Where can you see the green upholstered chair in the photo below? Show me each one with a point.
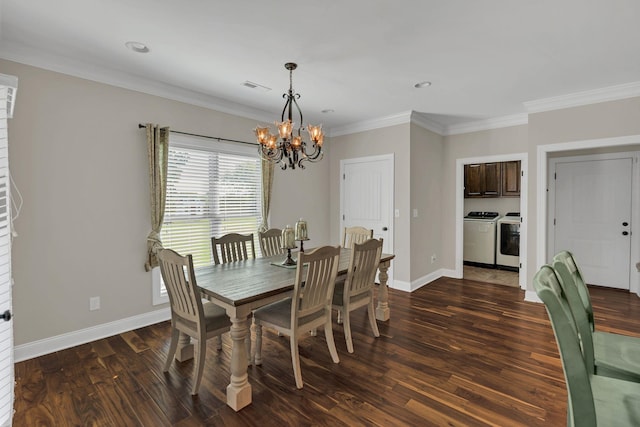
(593, 400)
(606, 353)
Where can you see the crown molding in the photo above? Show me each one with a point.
(382, 122)
(610, 93)
(425, 122)
(100, 74)
(488, 124)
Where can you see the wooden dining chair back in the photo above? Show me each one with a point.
(271, 242)
(232, 247)
(307, 309)
(356, 234)
(593, 400)
(357, 290)
(189, 314)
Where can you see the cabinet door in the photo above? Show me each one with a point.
(511, 179)
(473, 180)
(492, 181)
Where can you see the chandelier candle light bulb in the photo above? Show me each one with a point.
(291, 150)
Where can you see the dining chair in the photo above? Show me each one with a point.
(232, 247)
(606, 353)
(271, 242)
(308, 308)
(593, 400)
(355, 234)
(189, 314)
(357, 290)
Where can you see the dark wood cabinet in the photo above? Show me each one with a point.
(473, 180)
(492, 179)
(498, 179)
(511, 179)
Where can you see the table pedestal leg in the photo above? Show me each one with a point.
(382, 310)
(185, 348)
(239, 390)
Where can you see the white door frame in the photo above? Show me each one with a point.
(542, 202)
(391, 161)
(522, 279)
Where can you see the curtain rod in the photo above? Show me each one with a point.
(217, 138)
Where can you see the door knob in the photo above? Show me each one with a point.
(6, 316)
(384, 228)
(625, 233)
(624, 224)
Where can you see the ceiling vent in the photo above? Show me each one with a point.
(11, 82)
(252, 85)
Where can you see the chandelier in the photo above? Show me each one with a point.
(287, 146)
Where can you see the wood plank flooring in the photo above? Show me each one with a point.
(455, 352)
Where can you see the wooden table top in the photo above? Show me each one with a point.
(243, 282)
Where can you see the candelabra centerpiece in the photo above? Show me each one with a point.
(288, 243)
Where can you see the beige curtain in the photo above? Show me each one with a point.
(158, 150)
(267, 184)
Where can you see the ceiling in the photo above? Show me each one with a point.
(359, 58)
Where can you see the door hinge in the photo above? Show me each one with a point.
(521, 173)
(344, 176)
(343, 217)
(555, 176)
(554, 221)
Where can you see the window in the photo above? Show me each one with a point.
(213, 188)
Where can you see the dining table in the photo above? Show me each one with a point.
(243, 286)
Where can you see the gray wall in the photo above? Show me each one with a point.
(80, 162)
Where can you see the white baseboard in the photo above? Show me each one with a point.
(532, 296)
(418, 283)
(82, 336)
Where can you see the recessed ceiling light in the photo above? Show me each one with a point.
(421, 85)
(137, 47)
(327, 111)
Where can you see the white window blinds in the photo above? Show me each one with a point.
(213, 188)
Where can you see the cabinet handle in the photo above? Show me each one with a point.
(625, 233)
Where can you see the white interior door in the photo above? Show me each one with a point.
(593, 217)
(366, 197)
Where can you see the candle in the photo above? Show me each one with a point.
(301, 230)
(288, 241)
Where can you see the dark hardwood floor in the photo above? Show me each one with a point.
(455, 352)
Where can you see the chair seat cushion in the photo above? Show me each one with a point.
(617, 355)
(617, 402)
(338, 294)
(215, 316)
(279, 314)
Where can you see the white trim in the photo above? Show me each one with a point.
(429, 124)
(157, 296)
(610, 93)
(82, 336)
(381, 122)
(401, 285)
(524, 167)
(488, 124)
(106, 75)
(532, 296)
(541, 195)
(446, 272)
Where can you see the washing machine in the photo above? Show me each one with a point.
(508, 242)
(480, 238)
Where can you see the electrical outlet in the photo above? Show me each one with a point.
(94, 303)
(397, 213)
(433, 258)
(415, 213)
